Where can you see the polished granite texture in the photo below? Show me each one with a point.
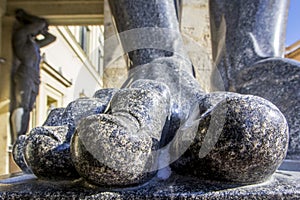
(148, 30)
(47, 153)
(239, 39)
(277, 80)
(18, 154)
(121, 137)
(282, 185)
(241, 139)
(116, 149)
(248, 57)
(46, 149)
(112, 138)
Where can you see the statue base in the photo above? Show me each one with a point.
(282, 185)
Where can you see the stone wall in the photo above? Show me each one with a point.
(196, 35)
(115, 66)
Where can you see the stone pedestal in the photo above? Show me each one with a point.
(282, 185)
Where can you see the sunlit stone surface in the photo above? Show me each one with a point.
(118, 139)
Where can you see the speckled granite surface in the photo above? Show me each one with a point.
(115, 134)
(46, 149)
(148, 30)
(239, 39)
(282, 185)
(277, 80)
(115, 149)
(248, 56)
(122, 137)
(242, 139)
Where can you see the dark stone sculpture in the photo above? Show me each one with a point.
(121, 146)
(159, 120)
(47, 149)
(248, 53)
(25, 77)
(247, 133)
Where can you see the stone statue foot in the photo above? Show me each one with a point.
(277, 80)
(18, 154)
(46, 150)
(111, 141)
(240, 138)
(118, 149)
(112, 149)
(48, 154)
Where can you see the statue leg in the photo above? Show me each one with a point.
(244, 32)
(21, 103)
(21, 106)
(248, 47)
(19, 120)
(16, 121)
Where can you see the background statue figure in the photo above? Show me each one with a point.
(25, 78)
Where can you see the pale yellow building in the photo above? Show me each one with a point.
(71, 67)
(293, 51)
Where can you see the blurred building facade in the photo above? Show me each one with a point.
(71, 67)
(293, 51)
